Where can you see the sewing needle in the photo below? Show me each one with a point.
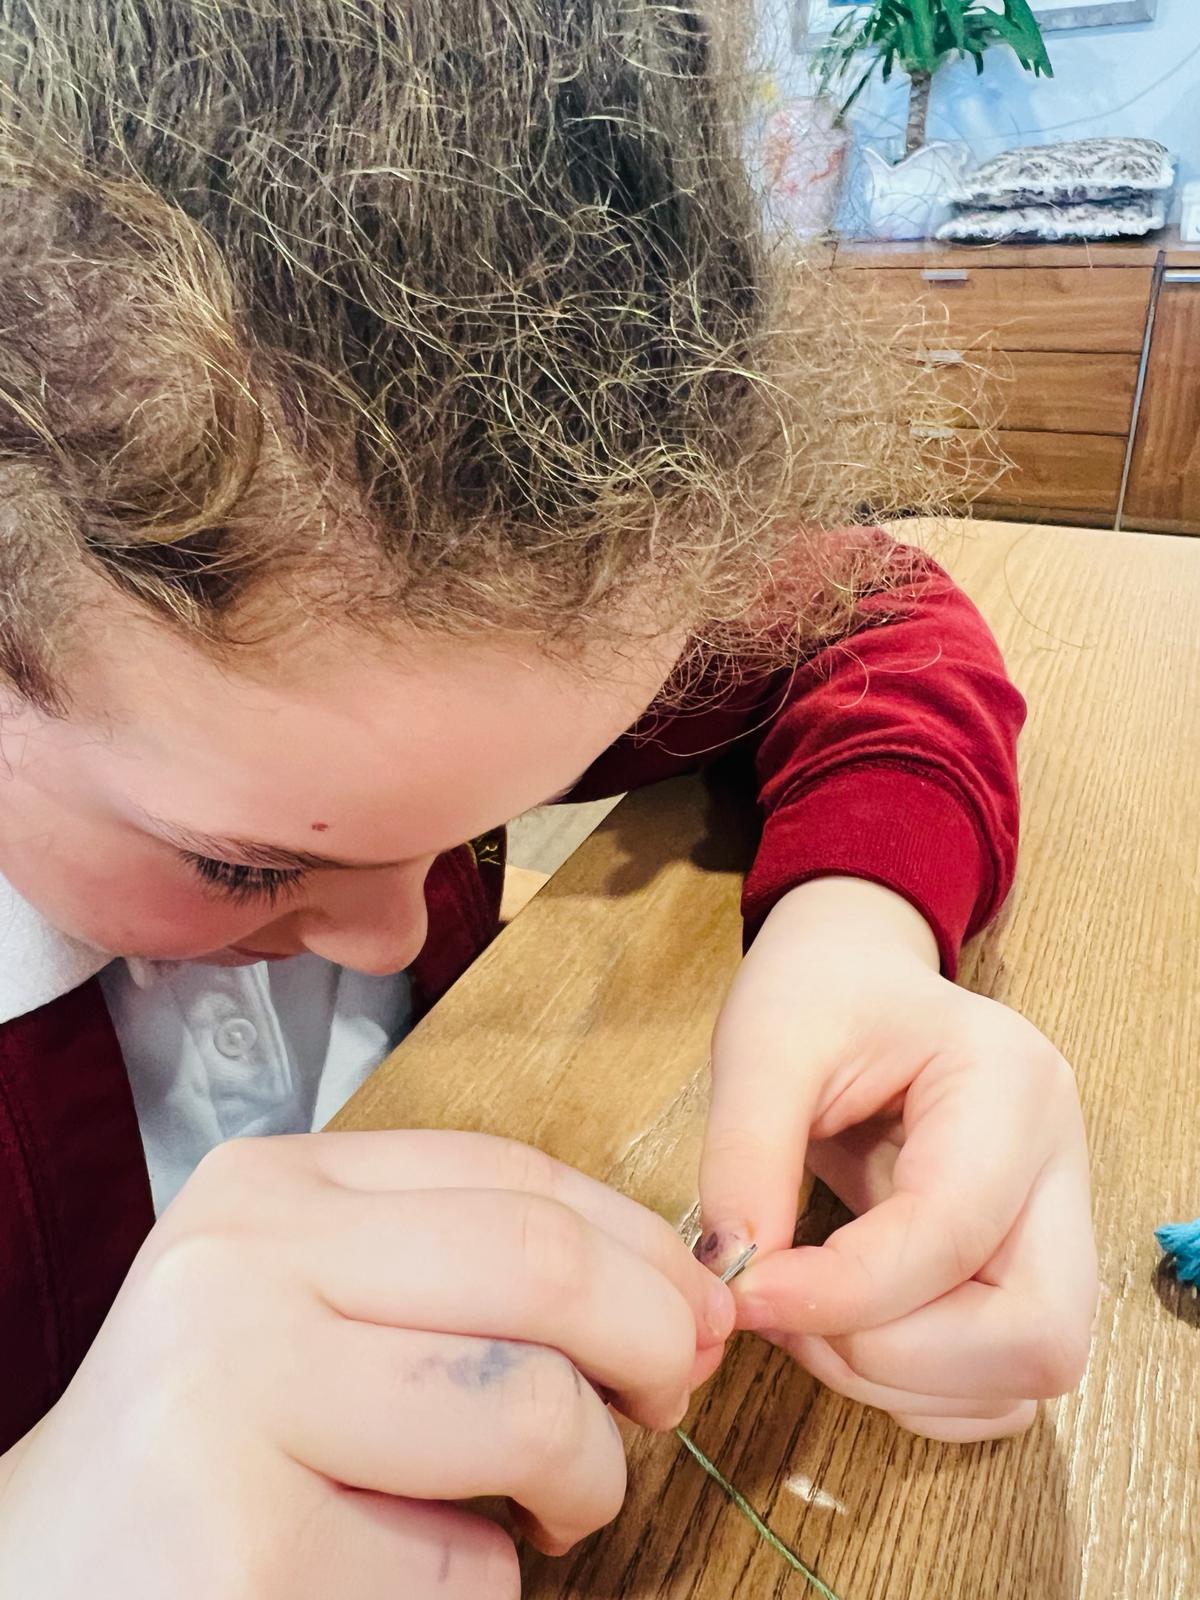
(742, 1262)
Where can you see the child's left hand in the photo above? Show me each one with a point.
(965, 1288)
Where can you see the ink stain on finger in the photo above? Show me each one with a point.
(490, 1366)
(708, 1248)
(724, 1253)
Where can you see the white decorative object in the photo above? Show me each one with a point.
(1189, 227)
(1088, 220)
(1067, 173)
(909, 199)
(803, 162)
(1094, 14)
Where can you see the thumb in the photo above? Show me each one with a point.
(752, 1164)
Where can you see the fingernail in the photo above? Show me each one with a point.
(721, 1247)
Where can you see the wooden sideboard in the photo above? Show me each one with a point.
(1090, 360)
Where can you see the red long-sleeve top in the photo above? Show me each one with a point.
(888, 756)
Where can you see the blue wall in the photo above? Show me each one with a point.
(1143, 79)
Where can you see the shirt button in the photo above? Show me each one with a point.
(236, 1037)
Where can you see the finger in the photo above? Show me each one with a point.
(817, 1356)
(946, 1216)
(1025, 1332)
(504, 1265)
(752, 1163)
(432, 1551)
(707, 1362)
(431, 1159)
(970, 1430)
(442, 1417)
(978, 1341)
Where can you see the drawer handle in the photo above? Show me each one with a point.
(1181, 275)
(943, 358)
(946, 274)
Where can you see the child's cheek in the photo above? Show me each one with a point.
(164, 910)
(175, 920)
(146, 910)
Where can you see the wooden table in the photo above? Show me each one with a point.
(584, 1029)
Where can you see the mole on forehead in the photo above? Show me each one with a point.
(253, 853)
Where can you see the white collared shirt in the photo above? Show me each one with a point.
(214, 1053)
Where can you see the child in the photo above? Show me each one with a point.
(399, 427)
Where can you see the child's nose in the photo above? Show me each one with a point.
(373, 922)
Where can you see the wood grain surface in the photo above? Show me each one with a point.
(1048, 391)
(1164, 487)
(1098, 309)
(585, 1028)
(1078, 471)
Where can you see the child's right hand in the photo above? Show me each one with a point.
(327, 1340)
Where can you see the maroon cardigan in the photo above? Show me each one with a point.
(890, 756)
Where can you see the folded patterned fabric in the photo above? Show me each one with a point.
(1069, 173)
(1090, 220)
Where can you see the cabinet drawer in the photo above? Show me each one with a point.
(1034, 390)
(1077, 472)
(1164, 487)
(1099, 309)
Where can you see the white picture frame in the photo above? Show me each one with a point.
(813, 19)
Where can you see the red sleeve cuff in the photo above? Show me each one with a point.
(895, 826)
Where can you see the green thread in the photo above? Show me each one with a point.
(752, 1516)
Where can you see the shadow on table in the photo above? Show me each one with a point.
(710, 819)
(1182, 1301)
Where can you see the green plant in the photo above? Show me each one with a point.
(918, 36)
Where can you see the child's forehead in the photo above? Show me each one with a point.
(159, 695)
(361, 761)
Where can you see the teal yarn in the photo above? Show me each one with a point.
(1180, 1243)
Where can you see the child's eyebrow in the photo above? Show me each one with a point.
(252, 853)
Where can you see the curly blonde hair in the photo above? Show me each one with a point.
(443, 315)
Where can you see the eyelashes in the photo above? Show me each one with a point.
(244, 884)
